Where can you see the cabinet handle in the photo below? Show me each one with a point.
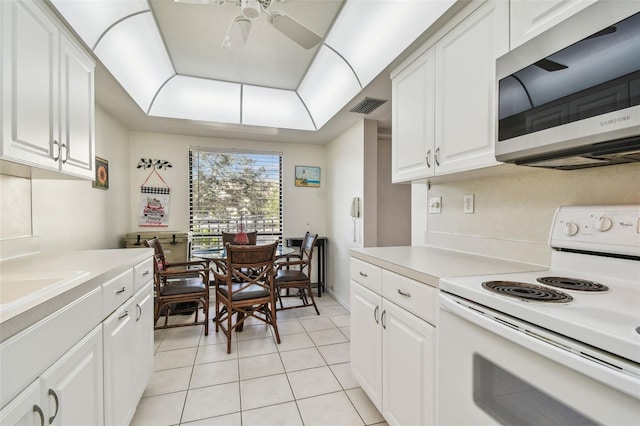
(404, 293)
(126, 314)
(437, 156)
(57, 156)
(55, 398)
(139, 309)
(145, 273)
(66, 148)
(428, 158)
(40, 413)
(384, 325)
(122, 290)
(375, 314)
(362, 274)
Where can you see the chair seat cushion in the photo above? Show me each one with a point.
(184, 286)
(254, 291)
(290, 275)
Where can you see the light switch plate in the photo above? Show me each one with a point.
(469, 201)
(435, 205)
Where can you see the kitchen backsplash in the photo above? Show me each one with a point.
(513, 210)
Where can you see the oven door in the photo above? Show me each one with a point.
(493, 369)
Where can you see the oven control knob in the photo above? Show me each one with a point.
(602, 224)
(570, 229)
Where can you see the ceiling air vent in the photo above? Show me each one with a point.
(367, 106)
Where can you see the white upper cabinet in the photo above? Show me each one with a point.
(532, 17)
(413, 118)
(48, 112)
(444, 101)
(466, 89)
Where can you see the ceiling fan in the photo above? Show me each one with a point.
(239, 28)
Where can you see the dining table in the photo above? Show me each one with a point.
(218, 256)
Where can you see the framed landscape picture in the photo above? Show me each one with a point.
(102, 174)
(308, 176)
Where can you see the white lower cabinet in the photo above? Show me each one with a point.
(393, 350)
(366, 341)
(143, 340)
(73, 386)
(68, 393)
(128, 356)
(99, 379)
(408, 370)
(25, 409)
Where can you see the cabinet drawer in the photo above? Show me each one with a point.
(418, 298)
(366, 274)
(116, 292)
(142, 274)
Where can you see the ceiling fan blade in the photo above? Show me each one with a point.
(549, 65)
(238, 33)
(294, 29)
(199, 1)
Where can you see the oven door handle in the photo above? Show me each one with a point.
(556, 348)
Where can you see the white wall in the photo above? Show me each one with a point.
(301, 206)
(70, 214)
(345, 180)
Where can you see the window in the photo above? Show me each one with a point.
(230, 191)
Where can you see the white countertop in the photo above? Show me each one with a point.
(36, 285)
(428, 264)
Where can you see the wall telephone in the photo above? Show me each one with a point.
(355, 213)
(355, 207)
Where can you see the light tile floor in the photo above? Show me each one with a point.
(305, 380)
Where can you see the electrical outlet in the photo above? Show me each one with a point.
(469, 201)
(435, 205)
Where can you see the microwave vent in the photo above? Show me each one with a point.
(367, 106)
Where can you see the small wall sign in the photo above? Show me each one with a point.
(308, 176)
(102, 174)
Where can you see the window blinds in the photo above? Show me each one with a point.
(231, 191)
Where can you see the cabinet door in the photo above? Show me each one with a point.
(25, 409)
(73, 385)
(465, 91)
(118, 333)
(408, 353)
(412, 117)
(143, 340)
(77, 111)
(532, 17)
(29, 85)
(366, 341)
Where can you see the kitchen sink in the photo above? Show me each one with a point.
(14, 287)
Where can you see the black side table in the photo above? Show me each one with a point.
(322, 243)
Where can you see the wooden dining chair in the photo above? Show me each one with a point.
(296, 275)
(165, 265)
(246, 288)
(232, 238)
(181, 287)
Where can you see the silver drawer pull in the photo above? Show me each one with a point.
(124, 315)
(122, 290)
(362, 274)
(145, 273)
(403, 293)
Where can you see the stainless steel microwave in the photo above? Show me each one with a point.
(570, 97)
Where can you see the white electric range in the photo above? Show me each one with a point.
(547, 347)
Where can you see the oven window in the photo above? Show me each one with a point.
(512, 401)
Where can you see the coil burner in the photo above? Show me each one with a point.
(572, 284)
(528, 292)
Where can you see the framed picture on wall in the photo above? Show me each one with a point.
(102, 174)
(308, 176)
